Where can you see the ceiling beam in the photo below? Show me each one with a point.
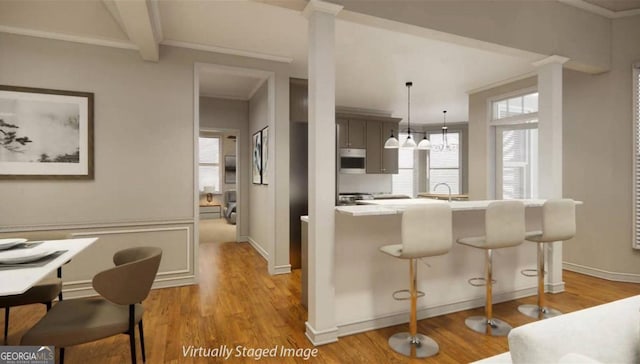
(136, 19)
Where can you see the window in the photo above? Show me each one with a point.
(515, 121)
(402, 183)
(636, 159)
(209, 163)
(444, 165)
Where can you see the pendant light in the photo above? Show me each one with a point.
(445, 130)
(392, 142)
(424, 144)
(409, 142)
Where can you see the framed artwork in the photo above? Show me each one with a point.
(265, 156)
(45, 134)
(230, 169)
(256, 157)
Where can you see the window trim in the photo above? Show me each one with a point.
(498, 163)
(516, 119)
(220, 141)
(635, 193)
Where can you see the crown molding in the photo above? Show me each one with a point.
(231, 51)
(599, 10)
(68, 37)
(321, 6)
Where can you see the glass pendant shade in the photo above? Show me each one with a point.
(392, 143)
(409, 143)
(424, 144)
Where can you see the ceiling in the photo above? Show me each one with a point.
(616, 5)
(372, 64)
(215, 82)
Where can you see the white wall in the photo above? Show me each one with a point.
(232, 114)
(367, 183)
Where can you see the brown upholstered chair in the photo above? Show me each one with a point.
(122, 288)
(43, 292)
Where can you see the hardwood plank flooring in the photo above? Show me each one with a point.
(238, 303)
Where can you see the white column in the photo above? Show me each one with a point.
(550, 152)
(321, 325)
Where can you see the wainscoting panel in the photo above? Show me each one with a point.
(174, 238)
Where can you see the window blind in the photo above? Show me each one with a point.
(636, 164)
(402, 183)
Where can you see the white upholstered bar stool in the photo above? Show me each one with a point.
(426, 232)
(558, 224)
(504, 228)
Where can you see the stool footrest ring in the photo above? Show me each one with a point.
(474, 281)
(396, 294)
(530, 272)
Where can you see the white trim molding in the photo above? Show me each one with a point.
(601, 273)
(321, 337)
(84, 226)
(550, 60)
(224, 50)
(282, 269)
(258, 248)
(321, 6)
(122, 44)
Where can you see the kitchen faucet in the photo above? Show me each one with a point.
(443, 184)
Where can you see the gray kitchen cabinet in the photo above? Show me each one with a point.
(352, 133)
(380, 160)
(389, 156)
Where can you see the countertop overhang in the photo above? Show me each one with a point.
(393, 207)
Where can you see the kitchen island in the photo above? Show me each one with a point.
(364, 278)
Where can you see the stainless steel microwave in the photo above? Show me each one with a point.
(352, 161)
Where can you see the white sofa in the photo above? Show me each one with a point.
(608, 333)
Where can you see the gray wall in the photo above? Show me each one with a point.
(598, 149)
(542, 27)
(261, 227)
(232, 114)
(597, 156)
(481, 172)
(143, 191)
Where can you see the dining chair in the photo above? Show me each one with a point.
(43, 292)
(118, 310)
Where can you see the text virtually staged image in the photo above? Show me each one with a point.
(320, 181)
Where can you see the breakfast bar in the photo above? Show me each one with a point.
(365, 278)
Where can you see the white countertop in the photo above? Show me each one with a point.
(392, 207)
(16, 281)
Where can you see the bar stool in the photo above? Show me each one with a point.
(558, 224)
(426, 232)
(504, 228)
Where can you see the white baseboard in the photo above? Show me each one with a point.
(554, 288)
(398, 318)
(321, 337)
(258, 248)
(600, 273)
(282, 269)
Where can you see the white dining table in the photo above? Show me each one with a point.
(19, 280)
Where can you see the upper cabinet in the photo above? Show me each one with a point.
(381, 160)
(351, 133)
(369, 132)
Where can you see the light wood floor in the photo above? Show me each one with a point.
(238, 303)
